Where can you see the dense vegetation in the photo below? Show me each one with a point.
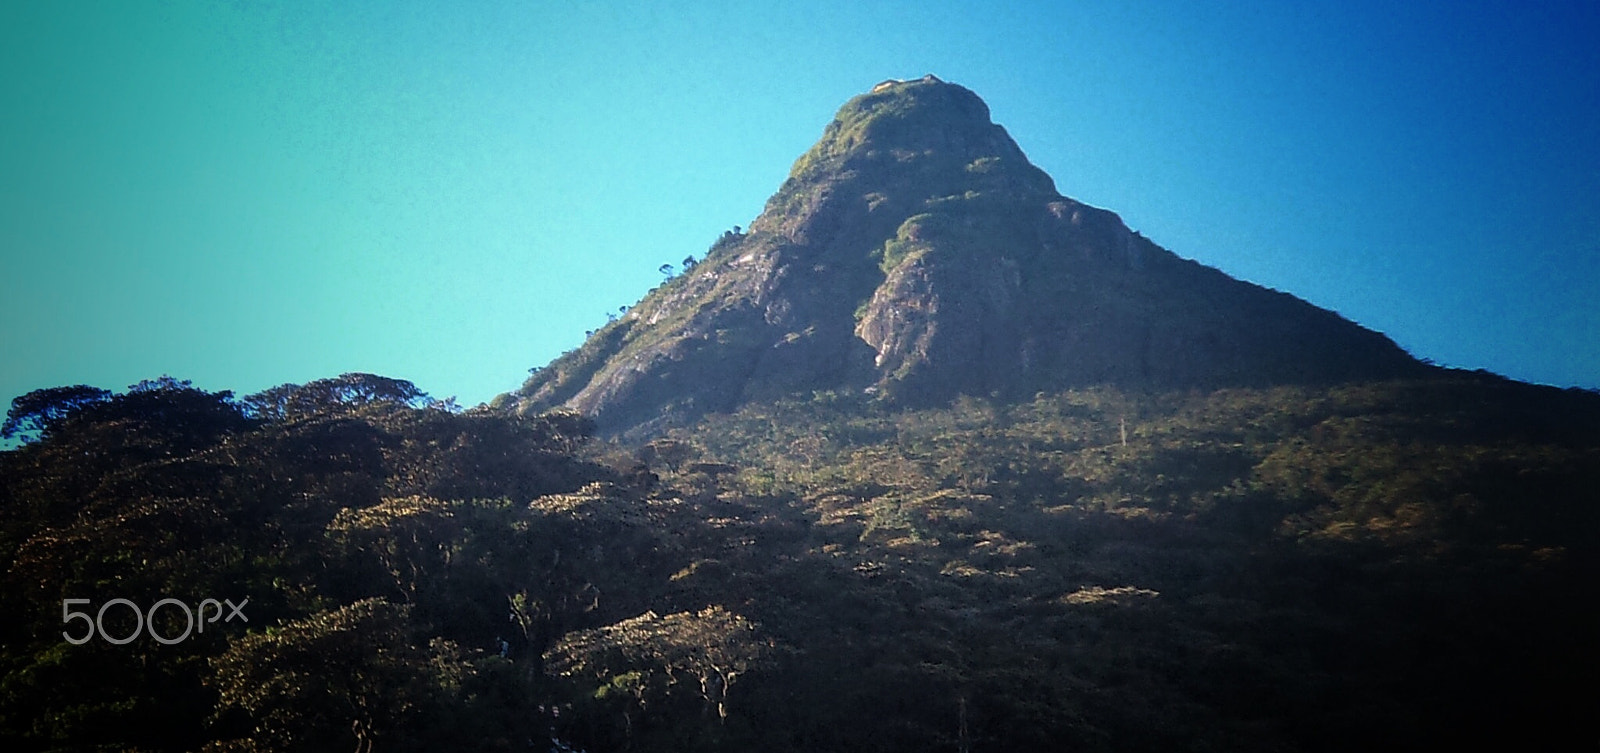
(1371, 565)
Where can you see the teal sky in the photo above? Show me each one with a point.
(251, 193)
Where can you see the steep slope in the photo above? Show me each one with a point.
(916, 253)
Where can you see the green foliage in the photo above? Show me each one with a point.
(341, 677)
(1277, 569)
(654, 660)
(346, 492)
(1190, 588)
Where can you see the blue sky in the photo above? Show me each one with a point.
(246, 194)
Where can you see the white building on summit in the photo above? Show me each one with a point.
(886, 83)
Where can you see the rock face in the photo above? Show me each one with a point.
(915, 252)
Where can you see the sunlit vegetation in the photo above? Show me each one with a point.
(1370, 565)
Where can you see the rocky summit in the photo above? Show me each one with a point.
(915, 253)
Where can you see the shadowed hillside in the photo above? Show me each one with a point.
(1376, 565)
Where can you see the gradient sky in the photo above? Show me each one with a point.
(251, 193)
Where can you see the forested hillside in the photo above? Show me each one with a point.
(1373, 565)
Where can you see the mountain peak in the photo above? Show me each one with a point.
(898, 147)
(897, 117)
(915, 252)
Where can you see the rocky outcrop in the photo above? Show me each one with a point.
(915, 252)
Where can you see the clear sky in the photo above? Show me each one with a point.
(251, 193)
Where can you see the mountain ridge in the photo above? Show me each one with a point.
(914, 252)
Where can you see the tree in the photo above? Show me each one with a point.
(35, 413)
(648, 654)
(305, 500)
(163, 383)
(408, 538)
(162, 418)
(340, 679)
(354, 390)
(271, 404)
(341, 394)
(666, 269)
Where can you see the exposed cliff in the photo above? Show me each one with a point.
(915, 252)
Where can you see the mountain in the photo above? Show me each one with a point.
(915, 253)
(933, 463)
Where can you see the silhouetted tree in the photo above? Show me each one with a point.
(34, 413)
